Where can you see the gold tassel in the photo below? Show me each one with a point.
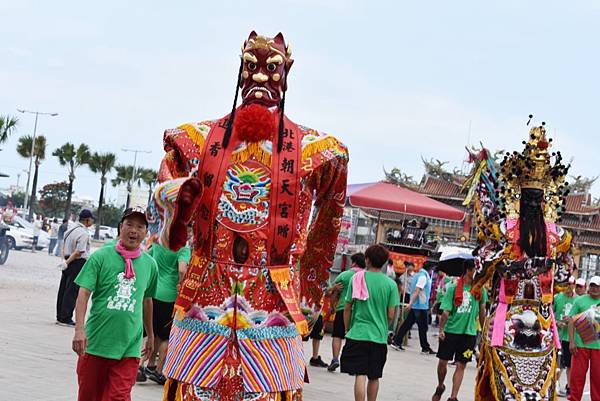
(302, 328)
(178, 391)
(193, 134)
(252, 149)
(565, 245)
(280, 276)
(178, 313)
(318, 146)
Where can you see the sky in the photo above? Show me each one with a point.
(394, 80)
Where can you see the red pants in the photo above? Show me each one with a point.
(580, 362)
(102, 379)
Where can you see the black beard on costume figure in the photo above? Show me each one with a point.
(532, 225)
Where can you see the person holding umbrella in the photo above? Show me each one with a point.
(458, 329)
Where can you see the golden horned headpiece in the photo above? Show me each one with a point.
(276, 45)
(534, 168)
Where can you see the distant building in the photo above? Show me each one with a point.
(139, 195)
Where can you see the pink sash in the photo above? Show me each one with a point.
(500, 318)
(554, 329)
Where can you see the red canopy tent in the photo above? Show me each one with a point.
(384, 196)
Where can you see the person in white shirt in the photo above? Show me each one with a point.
(53, 235)
(76, 250)
(37, 228)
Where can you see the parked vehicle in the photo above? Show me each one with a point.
(4, 247)
(106, 232)
(21, 235)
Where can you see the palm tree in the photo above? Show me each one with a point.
(149, 177)
(101, 163)
(39, 154)
(7, 126)
(72, 157)
(126, 175)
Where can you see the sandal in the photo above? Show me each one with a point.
(439, 390)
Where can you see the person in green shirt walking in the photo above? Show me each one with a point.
(121, 281)
(586, 354)
(563, 303)
(342, 285)
(370, 305)
(172, 267)
(458, 330)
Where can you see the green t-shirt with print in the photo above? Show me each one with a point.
(441, 291)
(370, 317)
(582, 304)
(562, 307)
(168, 270)
(344, 278)
(115, 323)
(462, 319)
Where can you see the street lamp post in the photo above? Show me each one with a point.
(135, 153)
(37, 114)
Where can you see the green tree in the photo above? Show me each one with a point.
(39, 154)
(101, 163)
(7, 126)
(126, 175)
(71, 157)
(111, 215)
(53, 198)
(16, 198)
(149, 177)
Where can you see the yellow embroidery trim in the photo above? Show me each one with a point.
(193, 133)
(252, 149)
(318, 146)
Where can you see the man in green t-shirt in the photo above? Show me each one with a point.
(563, 303)
(172, 267)
(370, 304)
(121, 282)
(458, 330)
(341, 285)
(586, 354)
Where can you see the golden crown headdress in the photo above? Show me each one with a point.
(534, 168)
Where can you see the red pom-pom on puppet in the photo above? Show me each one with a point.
(254, 123)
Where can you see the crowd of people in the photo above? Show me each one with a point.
(435, 299)
(125, 336)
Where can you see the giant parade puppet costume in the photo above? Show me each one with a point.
(248, 183)
(524, 256)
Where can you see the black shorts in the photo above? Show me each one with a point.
(317, 330)
(162, 318)
(565, 355)
(339, 329)
(363, 358)
(457, 347)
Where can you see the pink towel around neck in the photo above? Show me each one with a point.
(128, 256)
(500, 318)
(359, 286)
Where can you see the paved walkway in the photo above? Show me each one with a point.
(37, 362)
